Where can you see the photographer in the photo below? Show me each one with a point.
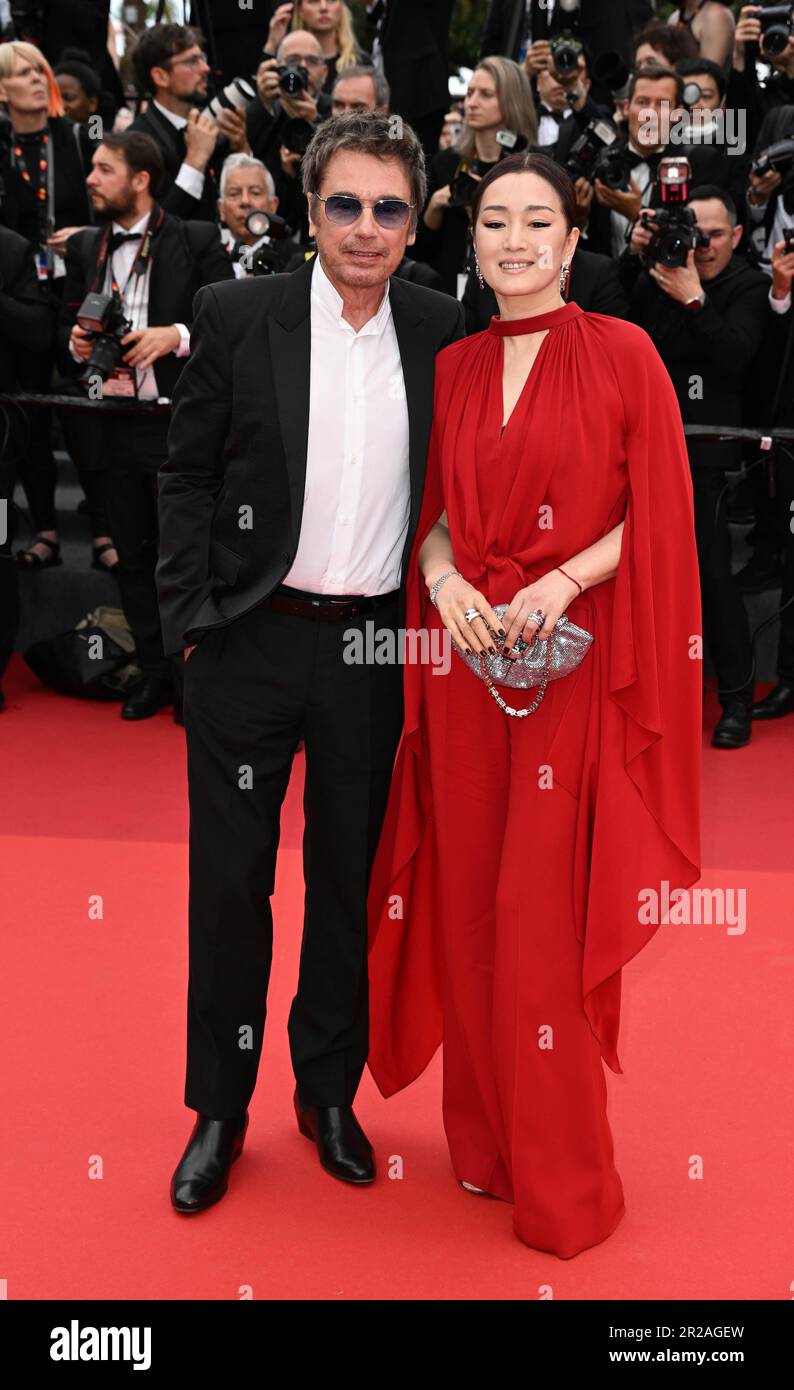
(780, 329)
(247, 186)
(25, 326)
(770, 191)
(291, 103)
(706, 314)
(751, 42)
(169, 62)
(653, 104)
(498, 102)
(149, 265)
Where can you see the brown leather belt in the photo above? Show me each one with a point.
(323, 608)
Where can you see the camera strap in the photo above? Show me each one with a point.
(143, 255)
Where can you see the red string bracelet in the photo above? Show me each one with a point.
(571, 577)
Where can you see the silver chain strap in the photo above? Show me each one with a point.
(508, 709)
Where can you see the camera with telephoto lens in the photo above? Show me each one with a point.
(293, 79)
(565, 54)
(264, 260)
(598, 154)
(102, 315)
(235, 96)
(775, 29)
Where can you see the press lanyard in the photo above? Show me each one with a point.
(45, 194)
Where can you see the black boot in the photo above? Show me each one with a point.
(735, 727)
(778, 702)
(202, 1174)
(344, 1149)
(147, 696)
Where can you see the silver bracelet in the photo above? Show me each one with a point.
(435, 587)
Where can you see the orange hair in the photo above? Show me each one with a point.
(18, 48)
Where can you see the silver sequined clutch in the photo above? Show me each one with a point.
(537, 663)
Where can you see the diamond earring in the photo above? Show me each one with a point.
(564, 270)
(478, 272)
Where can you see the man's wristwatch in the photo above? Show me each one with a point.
(695, 304)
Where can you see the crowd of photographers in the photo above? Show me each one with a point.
(679, 137)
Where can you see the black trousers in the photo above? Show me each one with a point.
(134, 448)
(253, 689)
(725, 625)
(784, 501)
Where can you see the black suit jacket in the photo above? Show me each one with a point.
(239, 435)
(172, 147)
(185, 256)
(26, 319)
(71, 163)
(414, 37)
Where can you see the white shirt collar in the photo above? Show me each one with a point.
(179, 121)
(328, 298)
(139, 226)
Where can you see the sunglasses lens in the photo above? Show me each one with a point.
(343, 211)
(391, 213)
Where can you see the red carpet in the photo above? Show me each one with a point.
(93, 1062)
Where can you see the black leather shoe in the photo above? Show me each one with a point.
(778, 702)
(734, 727)
(202, 1174)
(147, 697)
(344, 1149)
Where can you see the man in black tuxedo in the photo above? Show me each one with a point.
(170, 64)
(413, 48)
(156, 278)
(288, 506)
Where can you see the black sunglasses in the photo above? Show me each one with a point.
(344, 210)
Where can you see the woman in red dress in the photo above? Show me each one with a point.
(505, 894)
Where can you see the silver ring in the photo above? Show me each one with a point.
(537, 617)
(472, 613)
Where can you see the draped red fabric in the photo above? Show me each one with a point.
(595, 438)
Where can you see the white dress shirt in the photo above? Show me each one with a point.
(358, 490)
(190, 180)
(136, 304)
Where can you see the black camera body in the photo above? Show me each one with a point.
(775, 29)
(674, 235)
(102, 315)
(293, 79)
(565, 54)
(777, 158)
(597, 154)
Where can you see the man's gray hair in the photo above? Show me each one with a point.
(367, 132)
(382, 88)
(233, 162)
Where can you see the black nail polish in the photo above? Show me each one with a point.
(505, 651)
(501, 633)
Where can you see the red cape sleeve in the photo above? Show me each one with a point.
(646, 817)
(405, 990)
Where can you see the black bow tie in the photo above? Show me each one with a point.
(117, 238)
(558, 116)
(652, 160)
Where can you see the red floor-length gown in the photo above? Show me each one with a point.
(504, 898)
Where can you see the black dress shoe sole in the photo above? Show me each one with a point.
(771, 714)
(356, 1182)
(730, 743)
(193, 1211)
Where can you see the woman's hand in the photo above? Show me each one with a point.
(551, 594)
(453, 599)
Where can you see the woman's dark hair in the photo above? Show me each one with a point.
(669, 39)
(539, 164)
(82, 72)
(140, 153)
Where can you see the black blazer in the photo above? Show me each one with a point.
(185, 256)
(172, 147)
(71, 152)
(414, 37)
(26, 320)
(239, 435)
